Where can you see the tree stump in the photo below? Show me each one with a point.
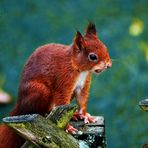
(49, 132)
(144, 106)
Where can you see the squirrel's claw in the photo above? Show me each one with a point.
(90, 118)
(70, 129)
(87, 117)
(75, 118)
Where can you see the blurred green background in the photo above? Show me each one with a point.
(122, 26)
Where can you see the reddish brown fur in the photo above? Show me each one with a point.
(49, 77)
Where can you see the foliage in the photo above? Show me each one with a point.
(27, 24)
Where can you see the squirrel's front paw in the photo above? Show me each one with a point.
(90, 118)
(87, 117)
(70, 129)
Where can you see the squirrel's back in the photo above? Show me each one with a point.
(44, 60)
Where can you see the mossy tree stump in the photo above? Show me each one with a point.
(49, 132)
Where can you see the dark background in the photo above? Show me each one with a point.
(122, 26)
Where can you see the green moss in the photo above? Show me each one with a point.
(65, 119)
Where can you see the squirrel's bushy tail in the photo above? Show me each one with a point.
(9, 139)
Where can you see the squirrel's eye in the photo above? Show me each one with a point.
(92, 57)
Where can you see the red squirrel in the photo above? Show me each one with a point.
(53, 75)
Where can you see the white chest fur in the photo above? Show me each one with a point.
(81, 80)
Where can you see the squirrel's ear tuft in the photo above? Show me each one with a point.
(91, 29)
(79, 42)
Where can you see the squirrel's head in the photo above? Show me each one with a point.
(89, 53)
